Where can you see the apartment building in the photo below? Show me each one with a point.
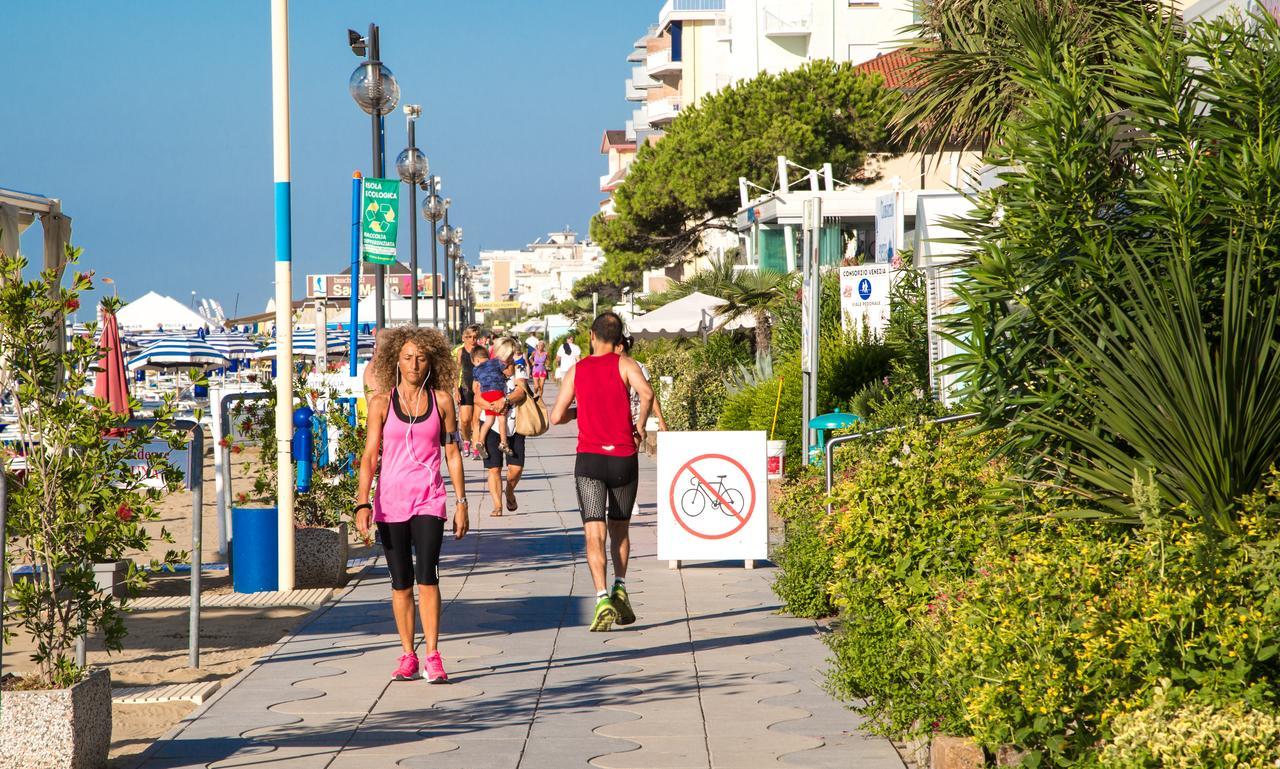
(699, 47)
(542, 272)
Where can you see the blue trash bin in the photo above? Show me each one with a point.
(253, 549)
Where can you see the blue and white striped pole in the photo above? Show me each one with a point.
(357, 182)
(284, 291)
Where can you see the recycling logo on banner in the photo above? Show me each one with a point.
(379, 204)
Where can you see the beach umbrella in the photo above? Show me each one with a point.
(303, 346)
(232, 345)
(178, 352)
(111, 384)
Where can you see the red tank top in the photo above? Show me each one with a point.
(604, 407)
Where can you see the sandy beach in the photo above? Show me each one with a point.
(155, 649)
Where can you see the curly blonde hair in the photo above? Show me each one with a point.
(440, 358)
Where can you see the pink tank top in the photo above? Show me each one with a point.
(604, 407)
(409, 480)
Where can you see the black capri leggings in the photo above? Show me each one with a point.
(606, 485)
(422, 536)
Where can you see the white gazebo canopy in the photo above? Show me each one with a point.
(154, 311)
(399, 311)
(687, 316)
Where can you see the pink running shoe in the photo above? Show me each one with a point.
(408, 669)
(435, 669)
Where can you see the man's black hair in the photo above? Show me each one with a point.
(608, 328)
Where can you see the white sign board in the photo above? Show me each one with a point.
(864, 297)
(712, 496)
(889, 225)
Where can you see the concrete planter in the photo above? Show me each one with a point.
(111, 576)
(58, 728)
(320, 556)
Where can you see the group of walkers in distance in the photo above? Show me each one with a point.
(430, 408)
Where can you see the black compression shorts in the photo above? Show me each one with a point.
(412, 548)
(466, 396)
(606, 486)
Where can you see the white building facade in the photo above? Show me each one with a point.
(699, 47)
(540, 273)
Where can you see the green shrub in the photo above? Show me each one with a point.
(692, 400)
(1193, 736)
(804, 560)
(736, 414)
(1066, 627)
(846, 365)
(909, 512)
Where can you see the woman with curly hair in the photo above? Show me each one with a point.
(411, 436)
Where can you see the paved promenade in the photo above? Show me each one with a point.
(710, 675)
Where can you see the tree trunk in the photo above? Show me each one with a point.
(763, 333)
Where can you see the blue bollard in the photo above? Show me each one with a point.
(301, 446)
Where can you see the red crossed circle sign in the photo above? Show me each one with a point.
(712, 496)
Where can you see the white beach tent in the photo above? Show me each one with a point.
(687, 316)
(154, 311)
(399, 311)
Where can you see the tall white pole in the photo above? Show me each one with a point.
(284, 289)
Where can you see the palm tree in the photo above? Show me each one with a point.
(760, 294)
(966, 82)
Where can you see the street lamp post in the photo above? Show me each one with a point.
(455, 251)
(433, 209)
(445, 237)
(412, 167)
(374, 88)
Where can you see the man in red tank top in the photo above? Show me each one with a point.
(607, 470)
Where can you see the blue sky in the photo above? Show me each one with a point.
(151, 120)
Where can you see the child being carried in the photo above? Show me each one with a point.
(488, 373)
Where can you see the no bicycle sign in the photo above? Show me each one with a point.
(712, 496)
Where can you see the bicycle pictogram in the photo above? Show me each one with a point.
(711, 496)
(716, 496)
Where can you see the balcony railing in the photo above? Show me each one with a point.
(682, 10)
(640, 78)
(663, 111)
(660, 64)
(633, 93)
(788, 20)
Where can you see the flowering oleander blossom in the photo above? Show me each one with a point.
(124, 512)
(73, 304)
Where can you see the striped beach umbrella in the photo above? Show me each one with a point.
(232, 345)
(178, 352)
(306, 345)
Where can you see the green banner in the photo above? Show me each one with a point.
(379, 207)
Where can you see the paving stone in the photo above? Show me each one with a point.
(710, 676)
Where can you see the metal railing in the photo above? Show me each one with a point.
(789, 21)
(697, 5)
(831, 444)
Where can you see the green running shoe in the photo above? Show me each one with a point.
(606, 614)
(626, 615)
